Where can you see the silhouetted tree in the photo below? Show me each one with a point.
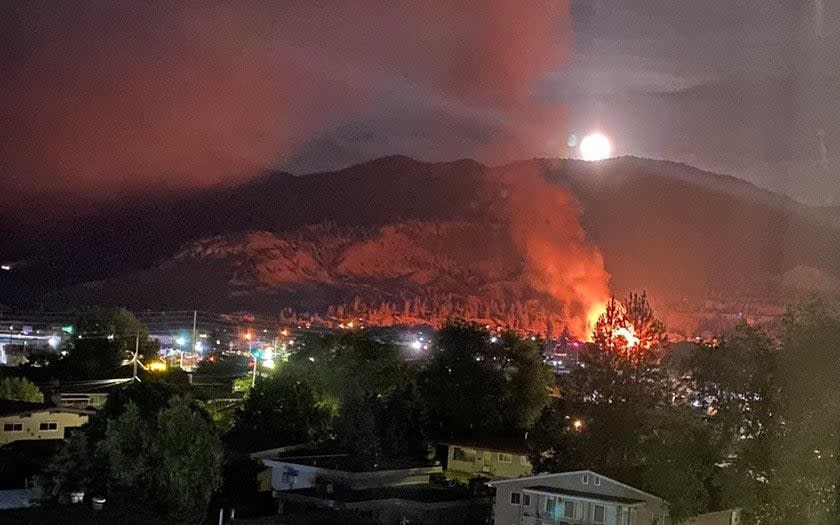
(472, 384)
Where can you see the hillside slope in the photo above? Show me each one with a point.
(395, 227)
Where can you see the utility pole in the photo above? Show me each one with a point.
(254, 377)
(136, 354)
(195, 335)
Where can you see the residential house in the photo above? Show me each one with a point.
(575, 498)
(391, 491)
(493, 459)
(297, 472)
(36, 421)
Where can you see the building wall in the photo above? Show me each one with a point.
(584, 511)
(486, 463)
(288, 476)
(30, 425)
(506, 513)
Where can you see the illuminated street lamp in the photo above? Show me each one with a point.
(577, 425)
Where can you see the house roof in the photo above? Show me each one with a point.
(419, 493)
(12, 408)
(347, 463)
(493, 444)
(584, 495)
(548, 476)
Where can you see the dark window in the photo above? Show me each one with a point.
(460, 454)
(598, 513)
(515, 498)
(526, 500)
(13, 427)
(568, 509)
(49, 426)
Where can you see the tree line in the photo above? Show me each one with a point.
(751, 421)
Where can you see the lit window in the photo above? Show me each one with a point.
(504, 458)
(52, 425)
(598, 513)
(515, 498)
(568, 509)
(13, 427)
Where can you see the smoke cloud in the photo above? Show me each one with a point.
(103, 98)
(545, 225)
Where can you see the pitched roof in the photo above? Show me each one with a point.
(547, 476)
(582, 494)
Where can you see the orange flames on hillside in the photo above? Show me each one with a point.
(558, 260)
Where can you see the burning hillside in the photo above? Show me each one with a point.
(522, 262)
(460, 238)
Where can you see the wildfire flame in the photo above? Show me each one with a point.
(628, 334)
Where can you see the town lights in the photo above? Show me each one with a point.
(416, 345)
(577, 425)
(180, 340)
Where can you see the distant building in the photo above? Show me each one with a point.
(83, 400)
(581, 497)
(37, 421)
(493, 459)
(390, 492)
(297, 472)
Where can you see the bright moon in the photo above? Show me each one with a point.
(595, 146)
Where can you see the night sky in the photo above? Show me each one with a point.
(101, 99)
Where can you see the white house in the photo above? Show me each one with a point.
(34, 421)
(299, 472)
(575, 498)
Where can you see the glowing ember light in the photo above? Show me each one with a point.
(595, 146)
(628, 336)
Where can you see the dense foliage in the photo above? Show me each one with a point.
(20, 389)
(719, 427)
(143, 456)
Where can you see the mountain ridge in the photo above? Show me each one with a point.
(672, 229)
